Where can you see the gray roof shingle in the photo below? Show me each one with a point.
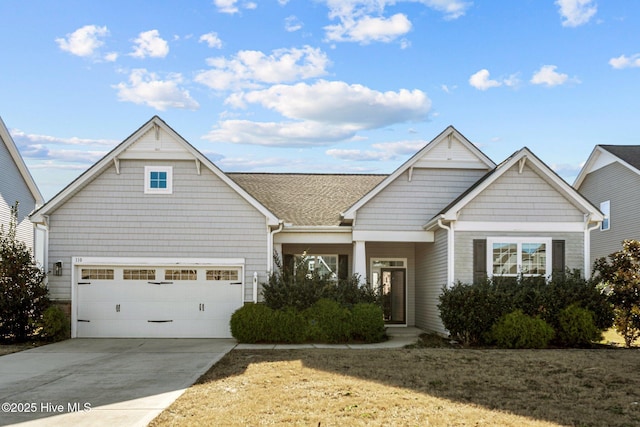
(628, 153)
(307, 199)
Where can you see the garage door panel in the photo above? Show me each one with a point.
(139, 307)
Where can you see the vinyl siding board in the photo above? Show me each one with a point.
(407, 205)
(111, 216)
(574, 255)
(13, 188)
(618, 184)
(521, 197)
(431, 277)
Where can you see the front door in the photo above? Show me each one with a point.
(394, 294)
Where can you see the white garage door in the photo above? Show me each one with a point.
(156, 301)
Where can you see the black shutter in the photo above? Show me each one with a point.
(479, 260)
(288, 263)
(558, 258)
(343, 267)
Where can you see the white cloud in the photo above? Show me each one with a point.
(548, 76)
(364, 21)
(231, 6)
(385, 151)
(481, 80)
(624, 61)
(84, 41)
(292, 24)
(368, 29)
(146, 88)
(321, 114)
(576, 12)
(212, 40)
(111, 56)
(149, 43)
(251, 68)
(24, 138)
(338, 102)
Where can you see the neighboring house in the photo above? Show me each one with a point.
(17, 185)
(155, 241)
(610, 179)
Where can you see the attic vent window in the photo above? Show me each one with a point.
(158, 180)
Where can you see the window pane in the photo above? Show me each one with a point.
(180, 275)
(534, 258)
(222, 274)
(135, 274)
(505, 258)
(97, 273)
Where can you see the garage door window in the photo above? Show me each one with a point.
(222, 274)
(180, 275)
(133, 274)
(97, 273)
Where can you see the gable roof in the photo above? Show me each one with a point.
(473, 158)
(5, 136)
(602, 155)
(520, 157)
(184, 150)
(307, 199)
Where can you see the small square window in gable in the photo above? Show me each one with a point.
(158, 179)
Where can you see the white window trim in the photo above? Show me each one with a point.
(147, 180)
(605, 208)
(519, 241)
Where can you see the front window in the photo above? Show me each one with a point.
(514, 256)
(158, 179)
(605, 208)
(323, 265)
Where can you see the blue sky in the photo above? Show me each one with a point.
(318, 86)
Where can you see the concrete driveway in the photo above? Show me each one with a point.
(98, 382)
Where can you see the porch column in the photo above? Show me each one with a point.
(360, 259)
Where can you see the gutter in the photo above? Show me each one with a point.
(587, 244)
(450, 249)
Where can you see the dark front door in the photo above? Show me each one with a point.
(394, 295)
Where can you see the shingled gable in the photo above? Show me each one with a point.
(520, 158)
(5, 136)
(450, 149)
(174, 147)
(603, 155)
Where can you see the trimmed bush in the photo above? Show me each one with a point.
(328, 322)
(367, 323)
(288, 326)
(252, 323)
(55, 324)
(518, 330)
(577, 327)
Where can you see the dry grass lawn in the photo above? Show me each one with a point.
(415, 387)
(14, 348)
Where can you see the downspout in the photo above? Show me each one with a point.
(587, 246)
(269, 256)
(450, 251)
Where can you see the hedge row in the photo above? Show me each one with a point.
(325, 321)
(571, 306)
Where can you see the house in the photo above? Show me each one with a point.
(17, 185)
(610, 179)
(155, 241)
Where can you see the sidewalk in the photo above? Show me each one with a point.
(398, 338)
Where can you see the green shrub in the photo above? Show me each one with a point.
(576, 327)
(469, 310)
(288, 326)
(518, 330)
(252, 323)
(55, 324)
(349, 292)
(367, 323)
(328, 322)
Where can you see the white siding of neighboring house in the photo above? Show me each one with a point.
(13, 188)
(620, 185)
(111, 216)
(431, 277)
(525, 197)
(407, 205)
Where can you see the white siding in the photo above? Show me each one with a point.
(12, 189)
(408, 205)
(431, 277)
(521, 198)
(618, 184)
(112, 216)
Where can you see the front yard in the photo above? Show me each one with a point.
(418, 386)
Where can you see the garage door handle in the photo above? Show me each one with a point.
(84, 283)
(160, 283)
(159, 321)
(235, 283)
(82, 320)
